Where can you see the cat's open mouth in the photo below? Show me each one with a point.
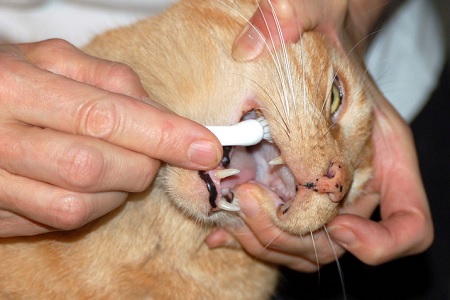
(260, 163)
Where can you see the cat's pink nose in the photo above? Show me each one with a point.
(334, 182)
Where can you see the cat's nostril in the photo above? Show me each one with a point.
(332, 183)
(333, 169)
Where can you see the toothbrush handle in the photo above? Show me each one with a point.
(245, 133)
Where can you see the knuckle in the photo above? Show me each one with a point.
(377, 256)
(305, 266)
(98, 119)
(375, 259)
(283, 8)
(149, 169)
(122, 70)
(43, 53)
(121, 75)
(11, 148)
(81, 166)
(57, 44)
(71, 211)
(165, 137)
(11, 61)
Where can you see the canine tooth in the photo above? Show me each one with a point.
(224, 173)
(223, 204)
(276, 161)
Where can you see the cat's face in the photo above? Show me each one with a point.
(319, 117)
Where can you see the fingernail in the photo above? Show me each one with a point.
(341, 235)
(204, 153)
(249, 44)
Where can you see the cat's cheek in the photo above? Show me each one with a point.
(187, 190)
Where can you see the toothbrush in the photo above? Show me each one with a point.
(246, 133)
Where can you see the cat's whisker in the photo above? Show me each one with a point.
(315, 253)
(321, 137)
(367, 12)
(349, 53)
(366, 67)
(280, 231)
(272, 53)
(341, 274)
(267, 112)
(305, 108)
(320, 113)
(286, 62)
(277, 62)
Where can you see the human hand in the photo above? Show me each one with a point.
(77, 133)
(405, 227)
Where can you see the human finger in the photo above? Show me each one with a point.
(286, 20)
(61, 57)
(378, 242)
(77, 108)
(406, 225)
(264, 252)
(261, 234)
(43, 207)
(13, 225)
(76, 163)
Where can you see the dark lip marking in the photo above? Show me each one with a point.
(310, 185)
(210, 186)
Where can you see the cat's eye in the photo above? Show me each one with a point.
(336, 96)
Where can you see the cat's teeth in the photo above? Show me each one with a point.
(224, 173)
(276, 161)
(225, 205)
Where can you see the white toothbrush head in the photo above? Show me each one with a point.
(245, 133)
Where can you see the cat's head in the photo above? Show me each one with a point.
(320, 119)
(312, 94)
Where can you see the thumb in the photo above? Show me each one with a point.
(378, 242)
(273, 21)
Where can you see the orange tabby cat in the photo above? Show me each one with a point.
(320, 119)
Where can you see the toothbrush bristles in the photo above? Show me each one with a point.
(267, 134)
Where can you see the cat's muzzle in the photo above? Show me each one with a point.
(260, 163)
